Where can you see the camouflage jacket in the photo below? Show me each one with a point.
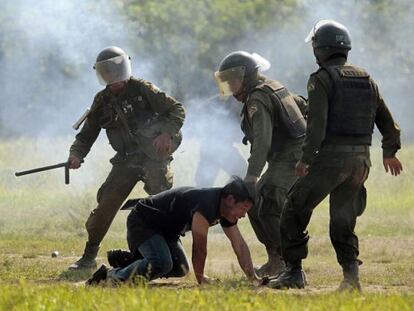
(260, 120)
(145, 109)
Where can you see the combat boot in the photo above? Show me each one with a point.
(292, 277)
(273, 266)
(87, 261)
(351, 277)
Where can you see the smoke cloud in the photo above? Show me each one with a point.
(48, 49)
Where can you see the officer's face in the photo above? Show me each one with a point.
(236, 210)
(235, 86)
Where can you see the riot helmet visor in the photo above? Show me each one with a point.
(113, 70)
(230, 81)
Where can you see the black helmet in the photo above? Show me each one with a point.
(239, 59)
(239, 66)
(329, 38)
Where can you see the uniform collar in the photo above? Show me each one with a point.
(335, 61)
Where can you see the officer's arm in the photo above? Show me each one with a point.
(241, 250)
(317, 118)
(199, 229)
(169, 109)
(389, 130)
(87, 135)
(262, 136)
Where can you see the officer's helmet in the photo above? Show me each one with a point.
(238, 68)
(112, 65)
(329, 37)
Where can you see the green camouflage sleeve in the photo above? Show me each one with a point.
(171, 110)
(87, 136)
(262, 135)
(390, 131)
(317, 118)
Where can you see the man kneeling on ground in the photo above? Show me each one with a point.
(156, 223)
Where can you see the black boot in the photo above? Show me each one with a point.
(99, 276)
(351, 277)
(273, 266)
(87, 261)
(292, 277)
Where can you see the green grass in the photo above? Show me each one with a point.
(39, 214)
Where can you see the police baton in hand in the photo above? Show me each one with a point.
(65, 165)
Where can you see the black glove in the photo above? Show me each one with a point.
(245, 141)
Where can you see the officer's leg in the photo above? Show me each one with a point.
(273, 198)
(156, 261)
(180, 262)
(112, 193)
(257, 224)
(158, 176)
(347, 202)
(305, 195)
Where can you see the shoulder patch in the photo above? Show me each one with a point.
(311, 86)
(251, 110)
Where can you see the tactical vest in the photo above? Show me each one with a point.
(289, 121)
(131, 126)
(353, 102)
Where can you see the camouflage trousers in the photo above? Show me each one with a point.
(340, 175)
(273, 188)
(125, 174)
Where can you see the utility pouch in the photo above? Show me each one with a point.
(290, 114)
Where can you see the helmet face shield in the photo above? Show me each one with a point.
(230, 81)
(113, 70)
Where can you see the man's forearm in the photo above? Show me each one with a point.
(245, 260)
(199, 259)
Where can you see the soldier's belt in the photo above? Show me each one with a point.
(346, 148)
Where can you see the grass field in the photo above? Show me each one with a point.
(39, 214)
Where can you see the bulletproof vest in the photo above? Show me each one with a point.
(353, 102)
(289, 121)
(125, 118)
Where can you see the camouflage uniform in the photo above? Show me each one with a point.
(339, 164)
(132, 119)
(270, 142)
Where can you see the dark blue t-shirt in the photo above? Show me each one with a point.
(171, 212)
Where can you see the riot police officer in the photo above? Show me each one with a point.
(344, 104)
(273, 123)
(143, 127)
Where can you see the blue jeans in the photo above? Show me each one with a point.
(161, 259)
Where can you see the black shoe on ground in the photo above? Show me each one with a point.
(83, 264)
(87, 261)
(292, 277)
(350, 282)
(98, 277)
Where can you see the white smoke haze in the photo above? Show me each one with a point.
(48, 84)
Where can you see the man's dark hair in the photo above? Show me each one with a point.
(240, 190)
